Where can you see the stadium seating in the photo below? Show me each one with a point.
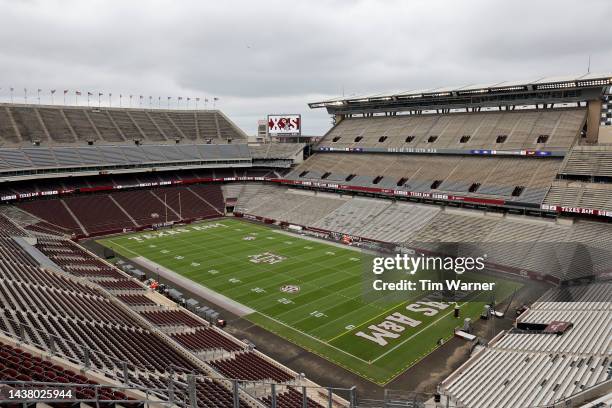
(385, 227)
(353, 216)
(97, 213)
(496, 177)
(19, 365)
(79, 302)
(461, 130)
(276, 150)
(54, 212)
(64, 125)
(136, 300)
(64, 315)
(142, 206)
(206, 338)
(536, 368)
(111, 212)
(192, 202)
(286, 205)
(8, 229)
(232, 191)
(588, 161)
(580, 194)
(172, 318)
(250, 366)
(542, 246)
(83, 158)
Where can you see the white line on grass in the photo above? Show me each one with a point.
(415, 334)
(323, 342)
(121, 246)
(314, 338)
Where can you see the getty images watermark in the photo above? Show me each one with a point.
(475, 271)
(421, 267)
(448, 272)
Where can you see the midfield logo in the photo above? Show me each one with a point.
(290, 288)
(266, 257)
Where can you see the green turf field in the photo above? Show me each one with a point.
(305, 291)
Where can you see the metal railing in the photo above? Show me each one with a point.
(22, 392)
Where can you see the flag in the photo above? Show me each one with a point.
(215, 99)
(141, 96)
(53, 91)
(100, 94)
(180, 98)
(188, 99)
(78, 93)
(65, 91)
(205, 99)
(39, 90)
(89, 93)
(198, 99)
(169, 97)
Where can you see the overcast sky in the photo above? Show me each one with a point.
(261, 57)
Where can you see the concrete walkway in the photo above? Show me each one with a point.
(195, 288)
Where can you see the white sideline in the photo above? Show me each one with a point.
(194, 287)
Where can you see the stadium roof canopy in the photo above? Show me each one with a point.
(539, 85)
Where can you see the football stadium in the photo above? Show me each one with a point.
(445, 247)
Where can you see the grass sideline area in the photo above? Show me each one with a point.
(305, 291)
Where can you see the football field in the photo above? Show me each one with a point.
(305, 291)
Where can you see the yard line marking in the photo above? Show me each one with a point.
(121, 246)
(416, 296)
(266, 268)
(430, 325)
(314, 338)
(369, 320)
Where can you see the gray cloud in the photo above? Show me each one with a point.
(269, 56)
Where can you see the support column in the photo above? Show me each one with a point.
(593, 120)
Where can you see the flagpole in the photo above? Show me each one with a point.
(25, 95)
(12, 95)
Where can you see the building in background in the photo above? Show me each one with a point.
(262, 133)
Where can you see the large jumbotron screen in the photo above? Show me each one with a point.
(285, 125)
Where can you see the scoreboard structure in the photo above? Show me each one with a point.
(280, 125)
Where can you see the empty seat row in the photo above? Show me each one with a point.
(64, 125)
